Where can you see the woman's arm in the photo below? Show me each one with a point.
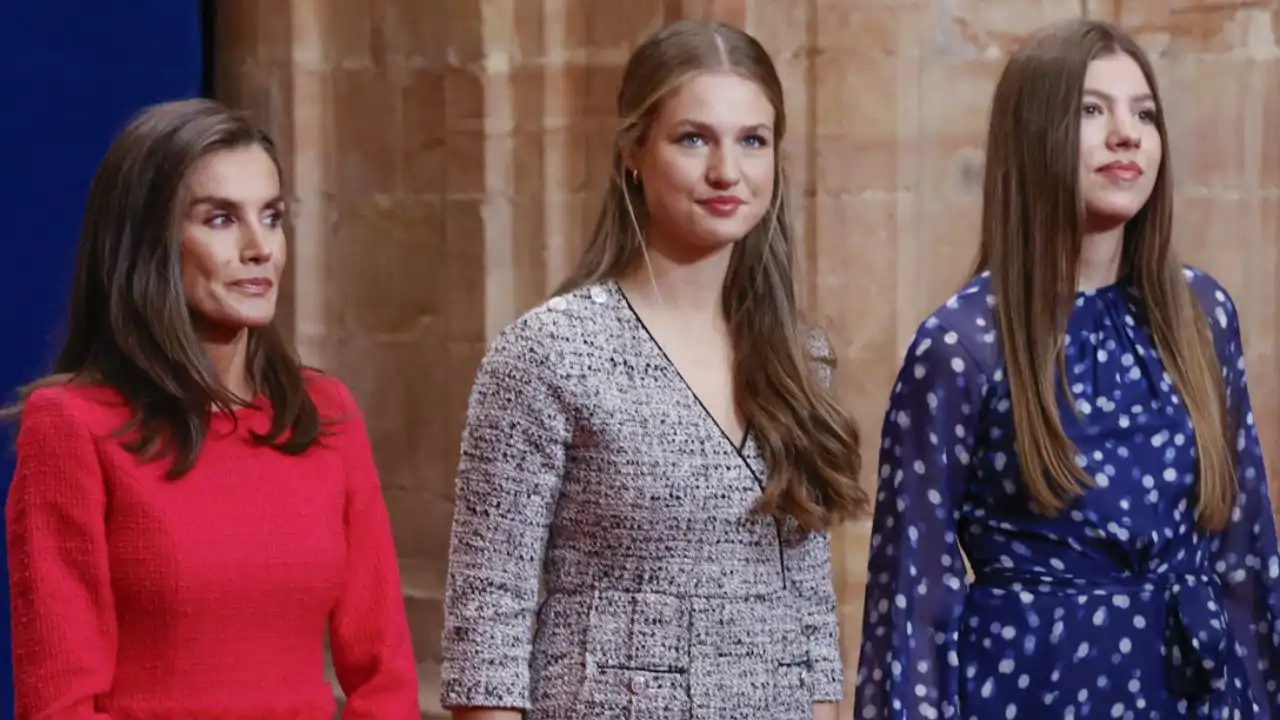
(368, 630)
(513, 454)
(915, 572)
(1245, 556)
(63, 610)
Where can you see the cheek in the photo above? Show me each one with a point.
(200, 264)
(670, 174)
(1093, 140)
(280, 251)
(760, 172)
(1153, 146)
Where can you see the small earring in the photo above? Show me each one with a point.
(635, 176)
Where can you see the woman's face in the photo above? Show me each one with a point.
(1120, 147)
(706, 165)
(232, 237)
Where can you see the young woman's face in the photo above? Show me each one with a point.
(233, 242)
(706, 165)
(1120, 145)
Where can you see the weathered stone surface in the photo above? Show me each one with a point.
(445, 159)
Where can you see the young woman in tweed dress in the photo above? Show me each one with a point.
(658, 442)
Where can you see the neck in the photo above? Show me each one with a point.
(690, 284)
(1100, 255)
(228, 354)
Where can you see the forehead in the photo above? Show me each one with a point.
(1117, 73)
(242, 173)
(718, 99)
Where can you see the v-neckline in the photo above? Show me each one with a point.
(738, 447)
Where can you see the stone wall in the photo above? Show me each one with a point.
(445, 158)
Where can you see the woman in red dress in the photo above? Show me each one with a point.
(192, 510)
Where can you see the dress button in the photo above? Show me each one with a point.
(598, 294)
(637, 685)
(557, 303)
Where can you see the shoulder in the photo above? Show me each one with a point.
(340, 414)
(332, 396)
(73, 405)
(1217, 303)
(560, 329)
(821, 357)
(818, 345)
(961, 332)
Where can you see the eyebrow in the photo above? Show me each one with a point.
(223, 202)
(1141, 97)
(757, 128)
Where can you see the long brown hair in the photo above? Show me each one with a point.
(809, 443)
(129, 327)
(1031, 243)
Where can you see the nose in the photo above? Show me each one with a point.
(255, 243)
(723, 168)
(1124, 133)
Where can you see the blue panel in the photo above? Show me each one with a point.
(72, 72)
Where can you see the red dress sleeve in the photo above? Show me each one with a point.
(63, 613)
(369, 632)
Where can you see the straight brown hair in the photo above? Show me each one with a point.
(129, 328)
(809, 443)
(1031, 244)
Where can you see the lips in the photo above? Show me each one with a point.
(1125, 171)
(254, 286)
(723, 205)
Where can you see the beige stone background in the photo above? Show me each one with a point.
(445, 158)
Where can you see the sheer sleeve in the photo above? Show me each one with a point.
(1246, 557)
(908, 667)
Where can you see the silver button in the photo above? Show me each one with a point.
(598, 294)
(557, 303)
(637, 684)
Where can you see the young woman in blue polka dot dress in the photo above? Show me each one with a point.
(1124, 558)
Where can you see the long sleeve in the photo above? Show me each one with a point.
(63, 612)
(1246, 555)
(509, 478)
(908, 666)
(369, 633)
(809, 579)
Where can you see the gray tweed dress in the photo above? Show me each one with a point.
(590, 466)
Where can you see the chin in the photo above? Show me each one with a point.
(1113, 212)
(726, 234)
(249, 320)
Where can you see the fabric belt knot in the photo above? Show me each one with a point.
(1197, 640)
(1197, 637)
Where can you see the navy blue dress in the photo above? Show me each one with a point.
(1119, 607)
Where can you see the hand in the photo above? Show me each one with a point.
(826, 711)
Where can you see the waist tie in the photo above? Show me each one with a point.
(1196, 637)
